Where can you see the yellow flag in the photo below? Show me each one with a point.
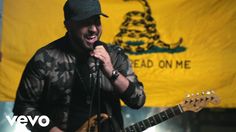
(176, 46)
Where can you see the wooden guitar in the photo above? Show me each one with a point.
(193, 102)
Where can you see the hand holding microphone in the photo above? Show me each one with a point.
(102, 55)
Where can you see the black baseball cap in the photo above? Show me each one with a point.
(82, 9)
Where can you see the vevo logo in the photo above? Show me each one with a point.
(43, 120)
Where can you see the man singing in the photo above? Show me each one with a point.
(59, 80)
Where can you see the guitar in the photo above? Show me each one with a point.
(192, 102)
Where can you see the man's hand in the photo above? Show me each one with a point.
(55, 129)
(101, 53)
(121, 82)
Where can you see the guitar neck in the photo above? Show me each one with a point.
(154, 120)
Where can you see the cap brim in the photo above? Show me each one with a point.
(104, 15)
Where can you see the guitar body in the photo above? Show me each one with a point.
(91, 124)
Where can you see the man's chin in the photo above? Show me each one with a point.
(88, 46)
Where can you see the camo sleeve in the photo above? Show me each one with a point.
(29, 93)
(134, 96)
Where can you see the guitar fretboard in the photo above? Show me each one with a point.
(154, 120)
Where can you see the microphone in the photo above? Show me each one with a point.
(97, 61)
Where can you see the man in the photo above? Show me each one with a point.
(59, 80)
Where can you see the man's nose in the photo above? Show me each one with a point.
(92, 28)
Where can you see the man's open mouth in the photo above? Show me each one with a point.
(91, 39)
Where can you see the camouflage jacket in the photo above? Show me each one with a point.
(48, 80)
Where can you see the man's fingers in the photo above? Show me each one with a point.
(101, 53)
(99, 47)
(100, 57)
(100, 50)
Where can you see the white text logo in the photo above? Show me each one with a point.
(43, 120)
